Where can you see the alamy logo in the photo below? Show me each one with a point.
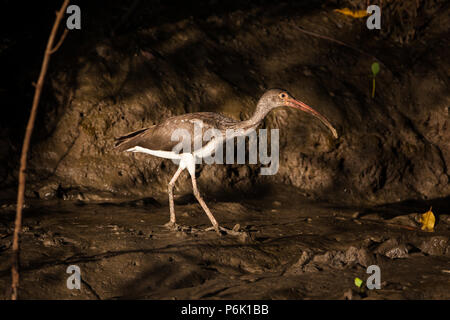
(74, 281)
(374, 281)
(74, 21)
(212, 151)
(374, 21)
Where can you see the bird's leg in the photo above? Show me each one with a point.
(243, 236)
(203, 204)
(190, 164)
(172, 224)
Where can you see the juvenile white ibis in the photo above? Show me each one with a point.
(157, 140)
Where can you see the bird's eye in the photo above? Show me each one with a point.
(283, 95)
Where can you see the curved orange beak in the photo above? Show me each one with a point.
(304, 107)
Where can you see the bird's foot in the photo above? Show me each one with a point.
(176, 227)
(172, 226)
(243, 236)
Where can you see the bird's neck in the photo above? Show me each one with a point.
(258, 116)
(255, 120)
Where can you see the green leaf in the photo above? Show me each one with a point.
(375, 68)
(358, 282)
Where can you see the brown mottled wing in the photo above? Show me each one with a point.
(127, 141)
(159, 136)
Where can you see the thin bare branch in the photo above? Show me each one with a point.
(61, 40)
(339, 42)
(25, 147)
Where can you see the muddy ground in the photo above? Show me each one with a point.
(298, 249)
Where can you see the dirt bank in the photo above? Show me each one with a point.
(391, 148)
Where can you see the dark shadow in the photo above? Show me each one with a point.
(391, 210)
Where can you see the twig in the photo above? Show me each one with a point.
(392, 225)
(64, 35)
(97, 296)
(339, 42)
(26, 144)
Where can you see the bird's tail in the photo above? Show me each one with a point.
(126, 141)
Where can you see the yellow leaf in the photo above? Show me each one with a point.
(427, 219)
(355, 14)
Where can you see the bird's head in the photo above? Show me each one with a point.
(275, 98)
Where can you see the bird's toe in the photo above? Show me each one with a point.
(172, 226)
(243, 236)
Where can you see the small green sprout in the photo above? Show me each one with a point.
(358, 282)
(375, 70)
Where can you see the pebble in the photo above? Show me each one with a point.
(393, 249)
(49, 243)
(445, 218)
(436, 246)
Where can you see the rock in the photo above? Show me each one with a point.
(436, 246)
(49, 243)
(298, 267)
(244, 237)
(393, 249)
(323, 258)
(365, 258)
(48, 191)
(444, 218)
(305, 257)
(405, 220)
(311, 267)
(341, 259)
